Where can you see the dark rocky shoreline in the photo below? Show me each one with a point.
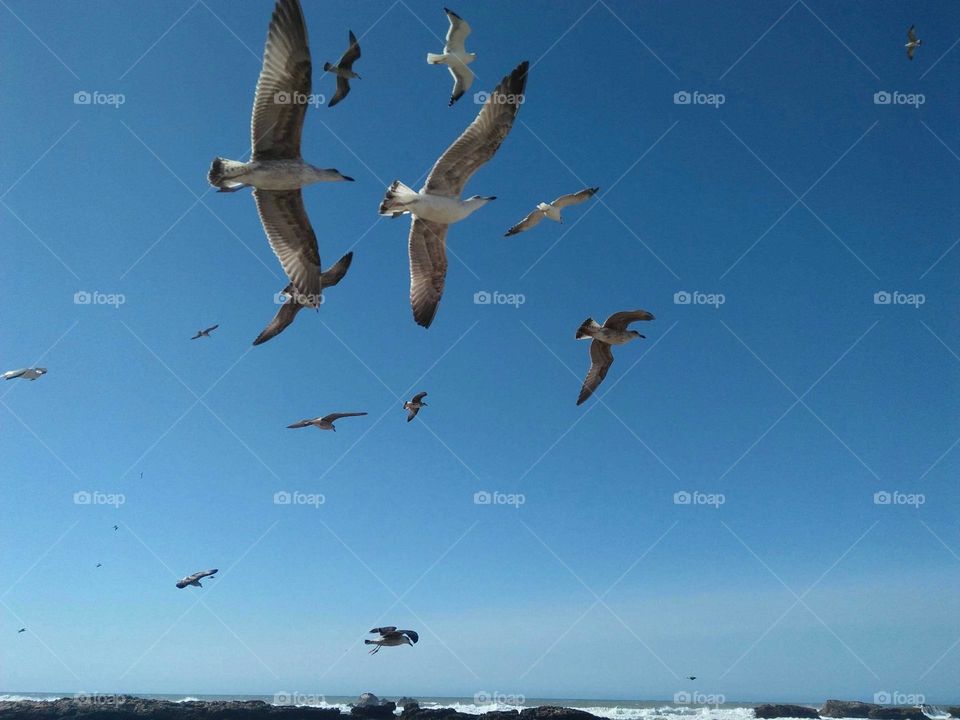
(118, 707)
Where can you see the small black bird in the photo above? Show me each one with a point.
(691, 677)
(21, 630)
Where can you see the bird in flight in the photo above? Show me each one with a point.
(391, 637)
(116, 527)
(551, 210)
(195, 579)
(913, 42)
(325, 422)
(691, 677)
(99, 564)
(455, 55)
(438, 203)
(344, 70)
(205, 333)
(276, 172)
(613, 332)
(413, 405)
(21, 630)
(295, 302)
(25, 373)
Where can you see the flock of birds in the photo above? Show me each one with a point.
(277, 172)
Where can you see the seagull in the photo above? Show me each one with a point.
(99, 564)
(205, 333)
(325, 422)
(612, 332)
(455, 55)
(295, 302)
(343, 70)
(933, 712)
(116, 527)
(551, 210)
(390, 637)
(913, 42)
(691, 677)
(438, 203)
(276, 171)
(413, 405)
(25, 373)
(195, 578)
(21, 630)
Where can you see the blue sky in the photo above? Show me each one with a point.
(795, 401)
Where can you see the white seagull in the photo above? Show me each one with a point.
(276, 171)
(25, 373)
(913, 42)
(612, 332)
(413, 405)
(325, 422)
(551, 210)
(391, 637)
(438, 203)
(344, 70)
(455, 55)
(195, 579)
(205, 333)
(295, 302)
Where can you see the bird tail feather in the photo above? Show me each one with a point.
(587, 328)
(398, 195)
(434, 59)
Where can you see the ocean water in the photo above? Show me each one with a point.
(614, 710)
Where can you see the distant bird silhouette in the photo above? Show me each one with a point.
(913, 42)
(21, 630)
(391, 637)
(691, 677)
(455, 55)
(24, 373)
(325, 422)
(551, 210)
(205, 333)
(413, 405)
(195, 579)
(99, 564)
(116, 527)
(344, 70)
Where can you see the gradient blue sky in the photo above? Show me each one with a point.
(798, 399)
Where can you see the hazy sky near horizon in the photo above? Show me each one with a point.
(811, 425)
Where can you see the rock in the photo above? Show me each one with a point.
(785, 711)
(404, 701)
(846, 709)
(367, 699)
(889, 712)
(372, 711)
(552, 712)
(120, 707)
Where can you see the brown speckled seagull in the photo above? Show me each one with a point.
(613, 332)
(391, 637)
(325, 422)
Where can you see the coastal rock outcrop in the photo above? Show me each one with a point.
(846, 709)
(785, 711)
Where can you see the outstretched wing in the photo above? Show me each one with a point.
(384, 630)
(292, 238)
(419, 396)
(343, 88)
(620, 320)
(412, 413)
(478, 143)
(351, 55)
(336, 416)
(284, 86)
(456, 34)
(11, 374)
(285, 315)
(528, 222)
(912, 34)
(601, 358)
(462, 80)
(414, 637)
(302, 423)
(575, 198)
(427, 248)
